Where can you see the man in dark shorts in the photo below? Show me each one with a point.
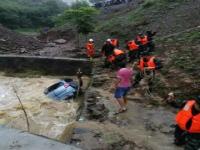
(122, 85)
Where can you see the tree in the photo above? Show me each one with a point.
(81, 17)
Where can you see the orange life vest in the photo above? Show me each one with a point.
(132, 46)
(143, 40)
(150, 64)
(117, 52)
(114, 42)
(185, 115)
(90, 48)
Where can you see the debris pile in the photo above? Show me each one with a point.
(15, 43)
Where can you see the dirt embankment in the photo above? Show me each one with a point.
(180, 54)
(15, 43)
(55, 43)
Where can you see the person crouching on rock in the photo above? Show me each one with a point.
(187, 130)
(147, 65)
(122, 86)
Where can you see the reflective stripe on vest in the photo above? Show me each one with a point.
(150, 64)
(185, 115)
(132, 46)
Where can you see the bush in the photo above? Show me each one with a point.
(26, 14)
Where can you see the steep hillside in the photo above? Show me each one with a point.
(163, 16)
(29, 13)
(177, 40)
(181, 73)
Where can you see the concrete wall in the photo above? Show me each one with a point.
(44, 65)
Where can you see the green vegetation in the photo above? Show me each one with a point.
(182, 68)
(186, 57)
(29, 13)
(135, 18)
(28, 31)
(81, 16)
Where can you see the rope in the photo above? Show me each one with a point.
(22, 107)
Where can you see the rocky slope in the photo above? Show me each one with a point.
(14, 43)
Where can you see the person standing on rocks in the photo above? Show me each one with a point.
(122, 86)
(90, 49)
(107, 51)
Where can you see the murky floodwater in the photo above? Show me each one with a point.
(53, 119)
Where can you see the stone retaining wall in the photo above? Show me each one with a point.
(44, 65)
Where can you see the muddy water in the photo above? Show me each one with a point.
(46, 117)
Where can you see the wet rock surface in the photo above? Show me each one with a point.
(95, 108)
(99, 80)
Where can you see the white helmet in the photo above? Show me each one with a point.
(91, 40)
(108, 40)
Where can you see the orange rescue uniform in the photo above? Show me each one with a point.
(90, 49)
(117, 52)
(150, 64)
(185, 115)
(132, 46)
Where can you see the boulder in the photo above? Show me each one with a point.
(51, 44)
(60, 41)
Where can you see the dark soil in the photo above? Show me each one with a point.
(15, 43)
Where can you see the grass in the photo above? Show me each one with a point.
(125, 25)
(28, 31)
(183, 54)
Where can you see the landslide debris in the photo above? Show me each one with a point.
(15, 43)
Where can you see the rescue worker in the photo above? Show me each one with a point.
(133, 48)
(150, 45)
(90, 48)
(107, 51)
(118, 58)
(115, 42)
(146, 67)
(144, 40)
(188, 125)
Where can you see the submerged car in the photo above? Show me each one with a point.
(63, 90)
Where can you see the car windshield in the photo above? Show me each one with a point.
(55, 86)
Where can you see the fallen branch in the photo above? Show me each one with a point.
(26, 116)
